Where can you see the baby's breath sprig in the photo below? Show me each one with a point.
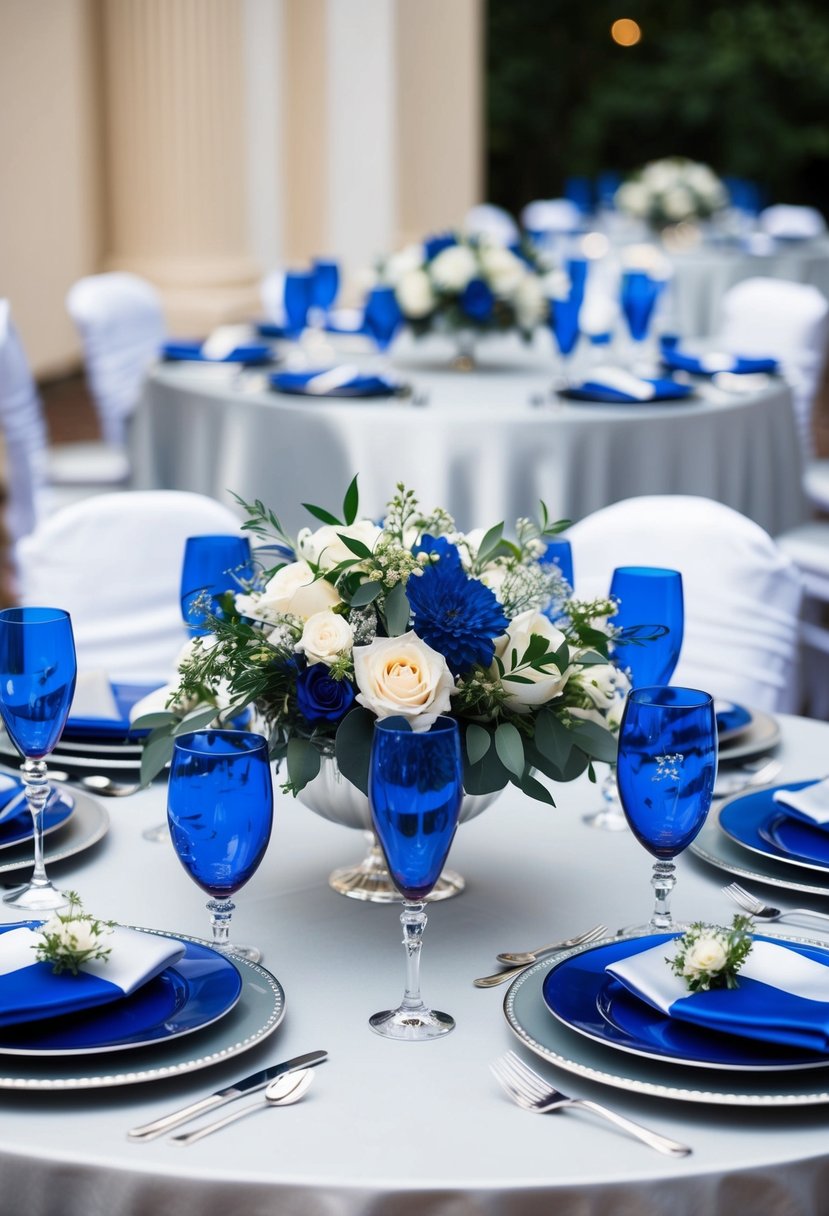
(72, 937)
(710, 956)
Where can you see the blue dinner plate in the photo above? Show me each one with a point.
(732, 719)
(358, 386)
(191, 352)
(19, 828)
(269, 329)
(193, 993)
(664, 390)
(678, 360)
(579, 992)
(111, 729)
(760, 824)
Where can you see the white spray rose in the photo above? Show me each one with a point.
(325, 636)
(707, 954)
(403, 676)
(415, 295)
(543, 686)
(453, 267)
(326, 549)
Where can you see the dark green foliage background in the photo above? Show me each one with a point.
(743, 86)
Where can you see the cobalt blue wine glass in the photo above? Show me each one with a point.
(297, 299)
(211, 566)
(37, 684)
(220, 813)
(666, 769)
(325, 282)
(415, 793)
(383, 316)
(651, 615)
(639, 294)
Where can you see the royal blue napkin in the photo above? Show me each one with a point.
(811, 803)
(11, 788)
(783, 994)
(615, 384)
(709, 364)
(250, 352)
(334, 382)
(30, 991)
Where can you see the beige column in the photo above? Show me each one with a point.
(176, 157)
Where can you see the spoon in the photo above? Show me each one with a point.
(284, 1091)
(523, 959)
(111, 789)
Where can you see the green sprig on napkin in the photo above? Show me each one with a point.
(710, 956)
(72, 937)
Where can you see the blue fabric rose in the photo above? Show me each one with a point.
(320, 698)
(477, 301)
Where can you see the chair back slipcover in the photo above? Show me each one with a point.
(493, 223)
(793, 223)
(114, 563)
(24, 430)
(789, 321)
(121, 327)
(742, 594)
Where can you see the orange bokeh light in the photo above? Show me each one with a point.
(625, 32)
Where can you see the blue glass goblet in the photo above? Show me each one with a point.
(37, 684)
(415, 793)
(211, 566)
(383, 316)
(325, 283)
(220, 813)
(297, 299)
(639, 294)
(666, 769)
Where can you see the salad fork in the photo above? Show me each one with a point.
(760, 911)
(532, 1092)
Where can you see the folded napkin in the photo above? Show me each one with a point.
(94, 698)
(783, 995)
(30, 990)
(810, 803)
(343, 381)
(620, 381)
(225, 340)
(710, 363)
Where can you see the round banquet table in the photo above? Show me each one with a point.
(481, 446)
(397, 1128)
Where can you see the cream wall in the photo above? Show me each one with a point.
(49, 216)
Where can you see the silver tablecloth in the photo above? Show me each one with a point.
(480, 447)
(392, 1128)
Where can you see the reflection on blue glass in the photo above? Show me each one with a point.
(415, 793)
(211, 565)
(297, 298)
(220, 807)
(648, 596)
(560, 553)
(666, 766)
(383, 317)
(37, 676)
(325, 283)
(639, 295)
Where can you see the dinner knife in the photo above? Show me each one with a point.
(249, 1085)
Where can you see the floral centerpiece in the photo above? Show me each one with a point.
(454, 283)
(359, 621)
(673, 190)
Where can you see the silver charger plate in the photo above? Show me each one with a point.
(761, 735)
(528, 1017)
(260, 1009)
(714, 847)
(88, 824)
(62, 792)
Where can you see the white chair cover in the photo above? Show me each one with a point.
(795, 223)
(114, 562)
(24, 429)
(789, 321)
(742, 594)
(808, 547)
(272, 295)
(557, 216)
(121, 326)
(493, 223)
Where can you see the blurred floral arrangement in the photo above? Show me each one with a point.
(454, 282)
(411, 618)
(673, 190)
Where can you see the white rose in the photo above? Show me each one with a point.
(493, 576)
(403, 262)
(544, 686)
(295, 591)
(678, 203)
(414, 294)
(403, 676)
(325, 548)
(453, 267)
(605, 686)
(707, 954)
(556, 285)
(529, 302)
(325, 637)
(634, 198)
(78, 935)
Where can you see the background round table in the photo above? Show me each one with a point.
(485, 445)
(389, 1129)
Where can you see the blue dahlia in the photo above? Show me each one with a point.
(477, 300)
(445, 550)
(433, 245)
(456, 615)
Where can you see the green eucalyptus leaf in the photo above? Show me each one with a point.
(197, 719)
(303, 762)
(351, 502)
(366, 593)
(552, 739)
(534, 789)
(490, 542)
(510, 748)
(486, 776)
(357, 547)
(596, 741)
(321, 514)
(160, 717)
(396, 611)
(156, 754)
(478, 742)
(352, 746)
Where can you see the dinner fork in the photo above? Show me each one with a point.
(581, 939)
(532, 1092)
(760, 911)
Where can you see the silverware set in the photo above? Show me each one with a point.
(532, 956)
(760, 911)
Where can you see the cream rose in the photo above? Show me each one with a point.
(707, 954)
(403, 676)
(544, 686)
(293, 590)
(453, 267)
(414, 294)
(325, 548)
(325, 637)
(502, 269)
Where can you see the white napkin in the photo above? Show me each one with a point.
(623, 382)
(224, 340)
(715, 361)
(11, 788)
(134, 959)
(811, 803)
(94, 697)
(336, 377)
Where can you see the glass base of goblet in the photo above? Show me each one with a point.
(251, 954)
(370, 881)
(157, 834)
(607, 819)
(411, 1025)
(40, 898)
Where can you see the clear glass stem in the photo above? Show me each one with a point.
(221, 911)
(413, 919)
(37, 795)
(663, 882)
